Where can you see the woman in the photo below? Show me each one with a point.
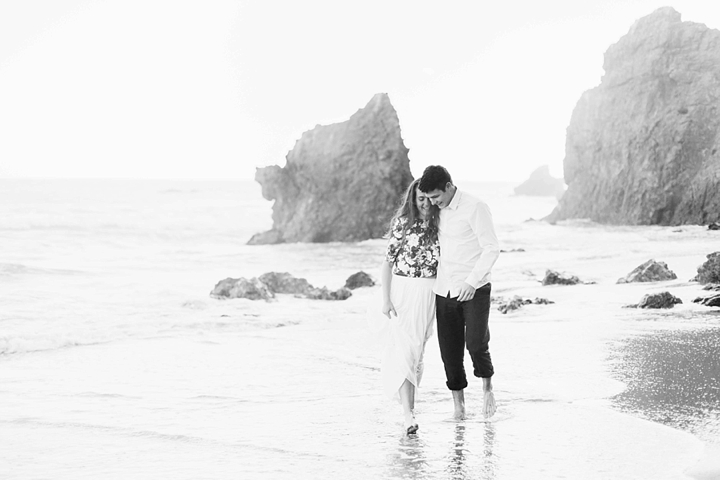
(408, 274)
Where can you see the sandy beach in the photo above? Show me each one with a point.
(117, 364)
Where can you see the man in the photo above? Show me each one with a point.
(468, 250)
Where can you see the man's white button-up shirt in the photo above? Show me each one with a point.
(468, 245)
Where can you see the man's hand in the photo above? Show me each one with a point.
(388, 308)
(467, 292)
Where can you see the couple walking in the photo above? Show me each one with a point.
(441, 248)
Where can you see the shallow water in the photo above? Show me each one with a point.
(673, 378)
(115, 363)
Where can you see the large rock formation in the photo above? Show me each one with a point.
(642, 147)
(342, 182)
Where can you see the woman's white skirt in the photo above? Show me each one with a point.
(405, 335)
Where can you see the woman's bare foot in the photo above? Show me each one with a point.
(411, 425)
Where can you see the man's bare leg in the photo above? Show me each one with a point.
(489, 407)
(459, 401)
(407, 398)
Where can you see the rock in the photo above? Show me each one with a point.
(265, 288)
(513, 250)
(325, 294)
(712, 286)
(359, 279)
(650, 271)
(714, 226)
(252, 289)
(341, 182)
(194, 305)
(710, 301)
(516, 302)
(709, 272)
(643, 148)
(657, 300)
(542, 301)
(555, 278)
(271, 237)
(285, 283)
(541, 184)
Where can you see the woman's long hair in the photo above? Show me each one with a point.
(408, 210)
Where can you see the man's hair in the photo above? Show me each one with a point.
(434, 177)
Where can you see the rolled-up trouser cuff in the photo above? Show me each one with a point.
(458, 386)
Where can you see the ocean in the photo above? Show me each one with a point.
(115, 362)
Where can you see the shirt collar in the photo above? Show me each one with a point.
(455, 202)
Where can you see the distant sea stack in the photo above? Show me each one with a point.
(642, 147)
(541, 184)
(341, 182)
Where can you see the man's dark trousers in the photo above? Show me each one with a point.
(461, 323)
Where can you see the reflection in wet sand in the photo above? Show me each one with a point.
(465, 463)
(469, 453)
(457, 467)
(673, 377)
(410, 460)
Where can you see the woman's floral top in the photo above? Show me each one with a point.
(418, 256)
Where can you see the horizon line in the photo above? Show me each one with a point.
(201, 179)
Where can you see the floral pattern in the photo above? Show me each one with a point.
(418, 256)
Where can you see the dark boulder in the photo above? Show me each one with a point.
(513, 304)
(657, 300)
(709, 272)
(556, 278)
(517, 302)
(252, 289)
(709, 301)
(650, 271)
(359, 279)
(341, 182)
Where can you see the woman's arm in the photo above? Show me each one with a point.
(386, 279)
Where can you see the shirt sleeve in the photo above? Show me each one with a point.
(482, 225)
(393, 247)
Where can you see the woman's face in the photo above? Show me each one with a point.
(422, 202)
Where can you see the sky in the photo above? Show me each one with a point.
(213, 89)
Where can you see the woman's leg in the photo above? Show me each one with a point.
(407, 398)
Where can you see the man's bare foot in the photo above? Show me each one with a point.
(459, 401)
(489, 407)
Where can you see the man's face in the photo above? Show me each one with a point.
(440, 198)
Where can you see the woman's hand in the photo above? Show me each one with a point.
(388, 309)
